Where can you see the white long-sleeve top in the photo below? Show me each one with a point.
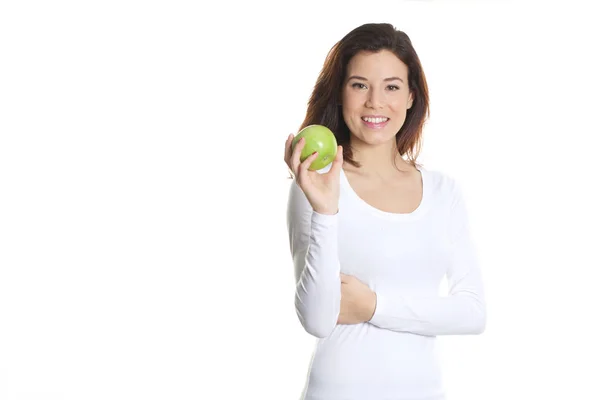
(404, 259)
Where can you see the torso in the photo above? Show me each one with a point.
(400, 194)
(392, 235)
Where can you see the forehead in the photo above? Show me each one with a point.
(381, 64)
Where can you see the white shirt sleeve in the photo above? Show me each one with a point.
(313, 240)
(462, 311)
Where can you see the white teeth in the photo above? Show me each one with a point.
(377, 120)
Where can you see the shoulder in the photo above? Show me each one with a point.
(447, 193)
(442, 183)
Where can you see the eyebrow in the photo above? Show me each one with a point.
(392, 78)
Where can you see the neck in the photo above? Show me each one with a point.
(383, 160)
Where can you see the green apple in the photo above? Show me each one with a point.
(317, 138)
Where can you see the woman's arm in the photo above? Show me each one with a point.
(313, 240)
(462, 311)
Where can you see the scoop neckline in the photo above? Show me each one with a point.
(416, 213)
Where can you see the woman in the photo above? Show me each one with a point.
(373, 234)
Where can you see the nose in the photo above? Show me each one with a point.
(374, 99)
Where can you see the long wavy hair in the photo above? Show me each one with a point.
(324, 103)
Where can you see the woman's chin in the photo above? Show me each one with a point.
(377, 138)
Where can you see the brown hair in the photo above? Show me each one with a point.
(324, 103)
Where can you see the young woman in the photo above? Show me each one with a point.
(373, 234)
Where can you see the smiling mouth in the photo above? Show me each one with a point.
(375, 120)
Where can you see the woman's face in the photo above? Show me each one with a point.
(375, 96)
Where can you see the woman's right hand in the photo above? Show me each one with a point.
(321, 189)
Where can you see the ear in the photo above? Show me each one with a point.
(410, 101)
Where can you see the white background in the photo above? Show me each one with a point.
(143, 250)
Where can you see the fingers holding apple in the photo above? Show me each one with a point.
(312, 139)
(338, 161)
(304, 167)
(312, 149)
(320, 139)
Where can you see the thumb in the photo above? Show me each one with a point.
(337, 163)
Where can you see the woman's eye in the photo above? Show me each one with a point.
(358, 85)
(393, 87)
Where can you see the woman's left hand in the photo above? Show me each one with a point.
(358, 301)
